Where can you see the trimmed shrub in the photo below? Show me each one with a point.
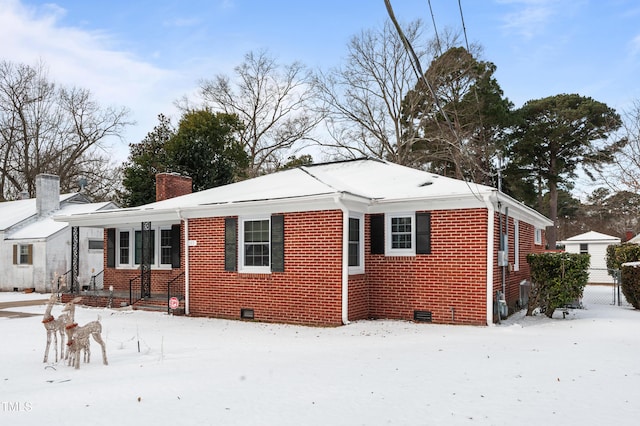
(617, 254)
(557, 280)
(631, 285)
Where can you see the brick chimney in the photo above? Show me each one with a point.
(170, 185)
(47, 194)
(628, 235)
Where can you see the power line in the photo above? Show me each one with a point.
(435, 29)
(464, 27)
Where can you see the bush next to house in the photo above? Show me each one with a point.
(557, 280)
(631, 284)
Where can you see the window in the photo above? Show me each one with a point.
(400, 235)
(162, 250)
(165, 246)
(23, 254)
(255, 243)
(584, 248)
(516, 245)
(356, 243)
(537, 236)
(95, 245)
(124, 248)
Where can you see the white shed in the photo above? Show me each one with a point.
(595, 244)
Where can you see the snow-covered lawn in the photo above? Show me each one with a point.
(166, 370)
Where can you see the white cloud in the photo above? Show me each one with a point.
(635, 45)
(91, 60)
(529, 19)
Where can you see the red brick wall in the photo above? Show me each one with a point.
(358, 297)
(450, 282)
(513, 277)
(308, 292)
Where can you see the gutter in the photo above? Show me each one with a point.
(490, 251)
(186, 262)
(345, 259)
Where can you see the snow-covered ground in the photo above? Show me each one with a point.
(165, 370)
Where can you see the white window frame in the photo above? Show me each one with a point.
(359, 269)
(389, 250)
(19, 254)
(537, 236)
(241, 246)
(132, 248)
(516, 245)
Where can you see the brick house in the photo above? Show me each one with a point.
(326, 244)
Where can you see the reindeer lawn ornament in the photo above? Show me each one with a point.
(79, 341)
(53, 327)
(68, 319)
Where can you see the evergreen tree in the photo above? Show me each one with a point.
(146, 159)
(206, 147)
(552, 137)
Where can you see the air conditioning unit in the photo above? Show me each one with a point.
(503, 258)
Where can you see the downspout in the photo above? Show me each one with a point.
(490, 252)
(345, 259)
(186, 262)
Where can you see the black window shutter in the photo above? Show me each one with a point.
(111, 248)
(277, 243)
(230, 244)
(377, 234)
(175, 246)
(423, 233)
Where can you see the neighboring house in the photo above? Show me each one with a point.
(35, 250)
(634, 240)
(595, 244)
(326, 244)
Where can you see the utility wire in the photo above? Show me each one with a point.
(417, 68)
(435, 29)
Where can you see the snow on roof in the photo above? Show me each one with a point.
(372, 179)
(591, 236)
(13, 212)
(369, 181)
(46, 226)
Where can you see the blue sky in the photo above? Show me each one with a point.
(146, 54)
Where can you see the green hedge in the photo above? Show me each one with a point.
(617, 254)
(631, 285)
(557, 280)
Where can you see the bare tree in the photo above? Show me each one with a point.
(625, 175)
(274, 102)
(44, 129)
(364, 98)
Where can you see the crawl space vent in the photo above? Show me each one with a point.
(246, 313)
(422, 316)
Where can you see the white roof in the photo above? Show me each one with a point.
(592, 237)
(46, 226)
(374, 185)
(14, 212)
